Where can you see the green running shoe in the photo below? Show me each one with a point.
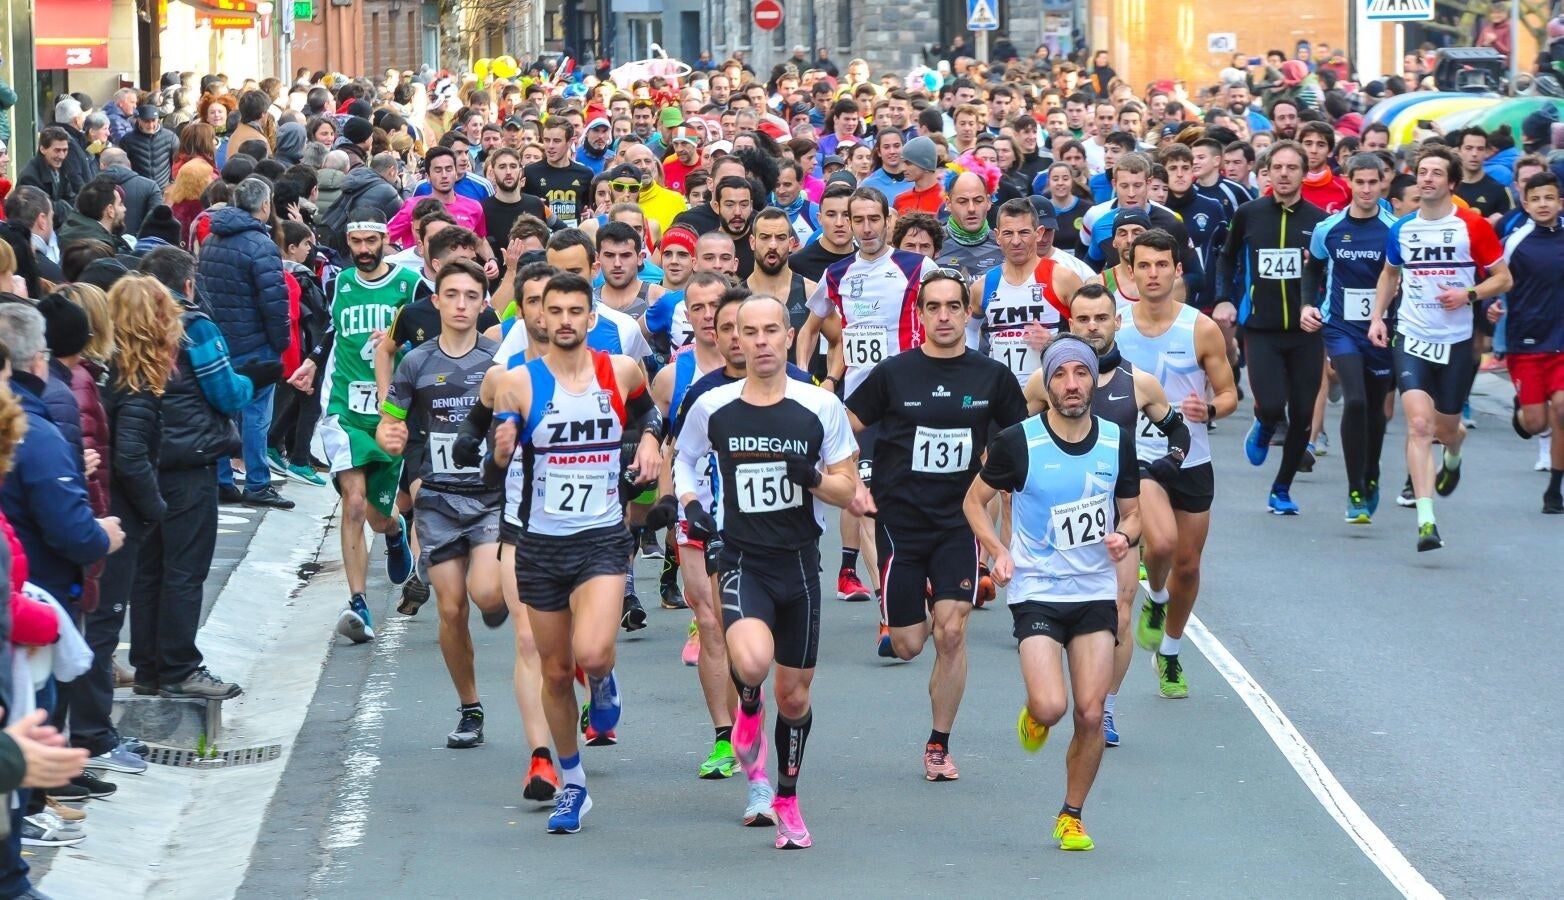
(1428, 538)
(1170, 678)
(1148, 628)
(306, 474)
(721, 763)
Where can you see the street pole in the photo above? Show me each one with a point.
(1515, 33)
(981, 47)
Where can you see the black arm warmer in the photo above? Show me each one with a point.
(644, 415)
(1172, 425)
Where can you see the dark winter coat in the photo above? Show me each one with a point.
(240, 278)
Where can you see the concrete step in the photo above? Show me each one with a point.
(186, 724)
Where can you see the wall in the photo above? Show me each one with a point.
(333, 41)
(393, 31)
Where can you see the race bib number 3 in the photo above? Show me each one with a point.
(363, 398)
(1432, 351)
(1357, 304)
(575, 493)
(1081, 523)
(764, 487)
(941, 451)
(1281, 265)
(440, 462)
(865, 345)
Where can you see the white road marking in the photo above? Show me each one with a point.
(1307, 763)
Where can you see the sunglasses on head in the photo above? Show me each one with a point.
(942, 272)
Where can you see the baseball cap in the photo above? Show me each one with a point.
(626, 172)
(719, 148)
(832, 160)
(1172, 128)
(688, 135)
(842, 177)
(148, 112)
(1131, 217)
(671, 117)
(1047, 216)
(513, 122)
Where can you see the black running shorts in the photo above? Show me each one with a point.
(1064, 621)
(779, 589)
(918, 568)
(549, 568)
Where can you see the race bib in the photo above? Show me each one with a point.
(573, 493)
(1357, 304)
(764, 487)
(941, 451)
(440, 462)
(865, 345)
(1019, 358)
(1432, 351)
(1281, 265)
(363, 398)
(1147, 430)
(1081, 523)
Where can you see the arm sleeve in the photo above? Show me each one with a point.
(694, 444)
(1313, 276)
(226, 390)
(1128, 484)
(399, 399)
(1004, 468)
(1227, 260)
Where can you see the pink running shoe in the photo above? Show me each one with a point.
(791, 833)
(692, 647)
(749, 739)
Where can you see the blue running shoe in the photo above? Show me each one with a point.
(1281, 502)
(354, 623)
(1110, 735)
(1357, 509)
(399, 556)
(603, 711)
(1257, 444)
(569, 806)
(1372, 498)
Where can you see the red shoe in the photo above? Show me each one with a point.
(985, 587)
(542, 781)
(849, 588)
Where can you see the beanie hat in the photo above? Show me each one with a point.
(66, 329)
(357, 130)
(161, 224)
(921, 152)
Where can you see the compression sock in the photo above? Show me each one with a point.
(1425, 511)
(1452, 460)
(791, 735)
(1068, 810)
(1169, 646)
(849, 559)
(1107, 703)
(543, 754)
(570, 770)
(669, 576)
(940, 739)
(1554, 477)
(725, 733)
(749, 697)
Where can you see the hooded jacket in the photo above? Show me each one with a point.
(290, 144)
(329, 187)
(365, 187)
(80, 228)
(240, 274)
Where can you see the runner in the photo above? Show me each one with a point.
(1119, 279)
(365, 300)
(935, 408)
(1264, 254)
(458, 517)
(1133, 400)
(1062, 468)
(1018, 304)
(771, 435)
(666, 325)
(833, 242)
(566, 413)
(1346, 255)
(1184, 350)
(1443, 258)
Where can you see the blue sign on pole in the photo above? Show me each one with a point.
(982, 15)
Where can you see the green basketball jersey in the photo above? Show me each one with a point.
(358, 310)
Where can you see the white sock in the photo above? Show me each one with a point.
(1107, 703)
(1169, 646)
(1160, 597)
(571, 770)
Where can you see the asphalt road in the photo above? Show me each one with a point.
(1417, 677)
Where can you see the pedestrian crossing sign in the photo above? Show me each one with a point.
(1400, 10)
(983, 15)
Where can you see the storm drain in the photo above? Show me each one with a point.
(219, 759)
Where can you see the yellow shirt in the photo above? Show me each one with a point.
(661, 205)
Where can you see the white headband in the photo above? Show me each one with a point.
(377, 227)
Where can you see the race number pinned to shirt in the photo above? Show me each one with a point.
(941, 451)
(1081, 523)
(1015, 353)
(575, 493)
(440, 446)
(1357, 304)
(865, 345)
(764, 487)
(363, 398)
(1432, 351)
(1282, 264)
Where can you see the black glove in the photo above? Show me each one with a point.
(714, 547)
(663, 513)
(467, 451)
(629, 475)
(703, 527)
(1164, 469)
(801, 471)
(261, 373)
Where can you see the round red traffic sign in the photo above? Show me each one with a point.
(768, 14)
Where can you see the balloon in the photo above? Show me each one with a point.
(505, 67)
(481, 68)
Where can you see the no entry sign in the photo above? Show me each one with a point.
(767, 14)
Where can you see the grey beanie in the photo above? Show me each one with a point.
(921, 152)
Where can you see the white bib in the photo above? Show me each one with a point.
(1357, 304)
(1016, 354)
(941, 451)
(865, 345)
(1432, 351)
(1281, 264)
(1080, 523)
(575, 493)
(764, 487)
(440, 463)
(363, 398)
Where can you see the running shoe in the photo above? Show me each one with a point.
(884, 648)
(1466, 415)
(415, 593)
(1031, 733)
(634, 616)
(1148, 629)
(496, 617)
(937, 764)
(1446, 481)
(1544, 454)
(1110, 734)
(354, 623)
(468, 732)
(749, 739)
(1407, 499)
(1170, 678)
(1428, 538)
(1306, 462)
(592, 738)
(1322, 445)
(985, 587)
(47, 831)
(1357, 509)
(542, 781)
(1552, 503)
(1372, 497)
(1070, 833)
(757, 809)
(791, 833)
(672, 597)
(306, 474)
(1257, 444)
(1281, 502)
(651, 547)
(399, 556)
(276, 463)
(570, 805)
(603, 712)
(721, 763)
(849, 588)
(691, 654)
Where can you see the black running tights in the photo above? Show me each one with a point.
(1284, 376)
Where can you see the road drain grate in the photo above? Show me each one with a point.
(222, 759)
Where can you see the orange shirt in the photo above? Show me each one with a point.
(931, 201)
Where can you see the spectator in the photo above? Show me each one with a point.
(71, 116)
(298, 407)
(46, 170)
(138, 192)
(150, 146)
(121, 112)
(372, 185)
(197, 432)
(330, 179)
(196, 141)
(83, 345)
(29, 229)
(184, 195)
(290, 143)
(241, 278)
(215, 110)
(99, 216)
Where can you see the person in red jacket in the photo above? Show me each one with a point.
(1321, 187)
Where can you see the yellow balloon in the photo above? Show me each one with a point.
(481, 68)
(505, 67)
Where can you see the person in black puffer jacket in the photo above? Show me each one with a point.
(150, 146)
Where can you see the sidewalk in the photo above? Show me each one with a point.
(272, 598)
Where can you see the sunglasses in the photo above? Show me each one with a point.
(625, 185)
(942, 272)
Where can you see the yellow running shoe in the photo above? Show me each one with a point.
(1071, 834)
(1032, 735)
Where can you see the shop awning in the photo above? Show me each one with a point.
(226, 13)
(71, 34)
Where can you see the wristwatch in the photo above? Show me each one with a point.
(1210, 412)
(1471, 295)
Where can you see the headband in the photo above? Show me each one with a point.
(376, 227)
(1068, 349)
